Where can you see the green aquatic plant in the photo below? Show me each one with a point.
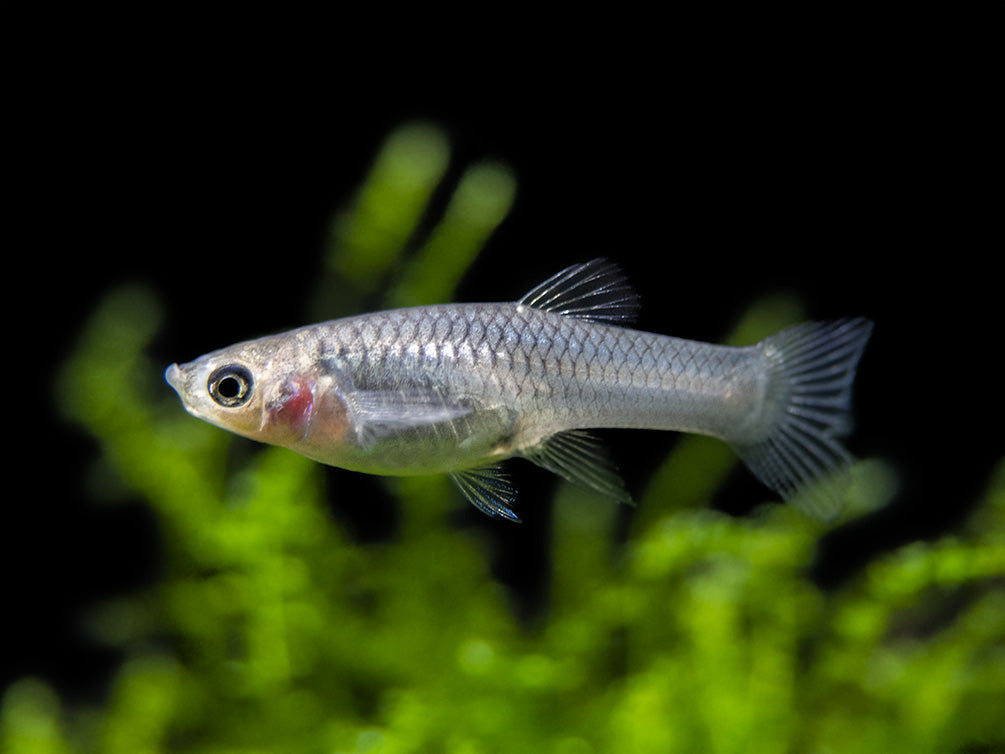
(271, 629)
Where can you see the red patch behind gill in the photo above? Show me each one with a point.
(292, 406)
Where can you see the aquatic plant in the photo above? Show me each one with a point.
(273, 629)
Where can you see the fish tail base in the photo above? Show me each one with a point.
(811, 368)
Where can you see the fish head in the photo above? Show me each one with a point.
(256, 390)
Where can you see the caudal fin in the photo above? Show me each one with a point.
(811, 371)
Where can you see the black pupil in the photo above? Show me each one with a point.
(229, 387)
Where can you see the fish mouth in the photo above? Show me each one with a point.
(175, 379)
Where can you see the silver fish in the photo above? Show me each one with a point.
(457, 388)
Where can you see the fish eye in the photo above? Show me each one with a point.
(230, 386)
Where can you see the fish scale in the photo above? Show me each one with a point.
(458, 388)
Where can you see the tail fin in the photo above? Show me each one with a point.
(811, 370)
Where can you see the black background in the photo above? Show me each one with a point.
(862, 189)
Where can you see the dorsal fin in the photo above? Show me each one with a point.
(596, 290)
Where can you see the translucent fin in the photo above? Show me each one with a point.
(488, 489)
(596, 290)
(377, 413)
(812, 368)
(582, 459)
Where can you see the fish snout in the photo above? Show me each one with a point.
(175, 379)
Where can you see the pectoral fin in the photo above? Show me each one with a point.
(377, 414)
(582, 459)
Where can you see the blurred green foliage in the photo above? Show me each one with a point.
(271, 630)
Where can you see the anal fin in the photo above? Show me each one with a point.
(582, 459)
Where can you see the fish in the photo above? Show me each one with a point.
(459, 388)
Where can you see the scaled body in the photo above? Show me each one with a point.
(457, 388)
